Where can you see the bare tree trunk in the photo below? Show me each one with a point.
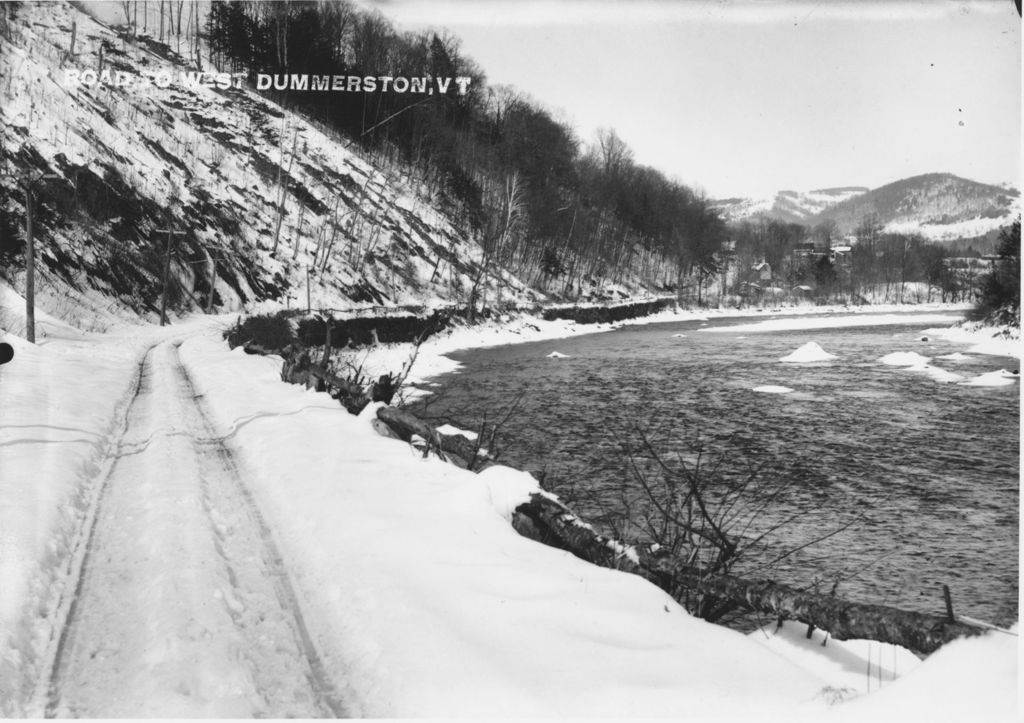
(177, 34)
(552, 523)
(405, 425)
(71, 47)
(298, 231)
(282, 184)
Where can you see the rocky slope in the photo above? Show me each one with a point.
(269, 205)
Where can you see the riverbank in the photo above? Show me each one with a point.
(431, 358)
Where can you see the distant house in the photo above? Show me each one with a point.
(840, 254)
(764, 271)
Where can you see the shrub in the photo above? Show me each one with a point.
(271, 332)
(999, 298)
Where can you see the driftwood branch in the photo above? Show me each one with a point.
(549, 521)
(406, 425)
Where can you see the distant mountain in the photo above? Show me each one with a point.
(791, 206)
(939, 206)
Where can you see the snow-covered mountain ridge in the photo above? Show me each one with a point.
(277, 207)
(792, 206)
(939, 206)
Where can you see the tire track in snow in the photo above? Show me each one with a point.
(64, 608)
(183, 606)
(222, 502)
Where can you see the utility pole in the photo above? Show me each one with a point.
(28, 181)
(30, 268)
(171, 233)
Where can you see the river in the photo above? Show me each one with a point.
(926, 474)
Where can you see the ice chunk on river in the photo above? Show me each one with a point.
(451, 430)
(905, 359)
(1000, 378)
(809, 352)
(557, 355)
(772, 389)
(937, 373)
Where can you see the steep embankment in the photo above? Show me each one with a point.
(261, 197)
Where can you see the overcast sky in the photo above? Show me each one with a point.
(746, 98)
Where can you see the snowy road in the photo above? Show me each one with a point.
(183, 607)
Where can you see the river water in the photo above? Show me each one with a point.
(926, 474)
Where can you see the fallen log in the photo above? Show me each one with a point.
(406, 425)
(549, 521)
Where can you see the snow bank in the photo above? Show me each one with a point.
(431, 359)
(904, 359)
(956, 356)
(983, 339)
(58, 415)
(849, 667)
(847, 319)
(972, 679)
(426, 602)
(557, 355)
(809, 352)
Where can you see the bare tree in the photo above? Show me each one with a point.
(503, 226)
(616, 156)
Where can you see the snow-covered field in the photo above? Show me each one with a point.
(401, 589)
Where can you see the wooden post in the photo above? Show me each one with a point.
(171, 233)
(949, 604)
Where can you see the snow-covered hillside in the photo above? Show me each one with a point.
(793, 206)
(939, 206)
(284, 210)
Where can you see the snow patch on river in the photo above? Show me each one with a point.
(904, 359)
(809, 352)
(1001, 378)
(772, 389)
